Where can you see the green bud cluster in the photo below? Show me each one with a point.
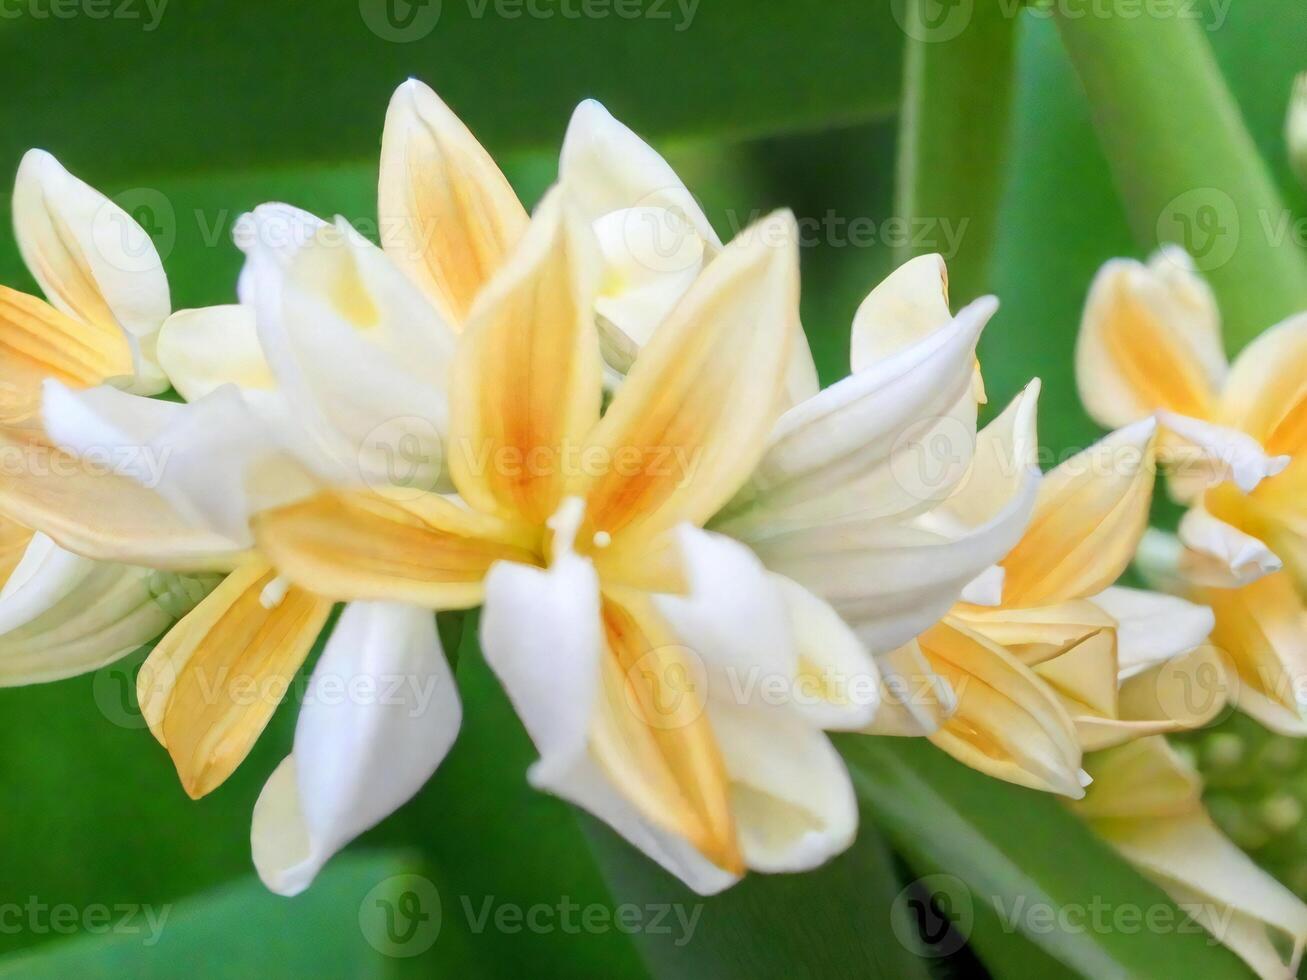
(177, 594)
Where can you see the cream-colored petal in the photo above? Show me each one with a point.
(1152, 627)
(1150, 339)
(1007, 724)
(216, 345)
(1198, 455)
(892, 439)
(357, 758)
(1266, 392)
(90, 506)
(890, 581)
(909, 305)
(1091, 512)
(1034, 634)
(915, 700)
(38, 342)
(1259, 627)
(526, 382)
(1145, 801)
(689, 424)
(14, 539)
(1180, 694)
(210, 685)
(92, 261)
(75, 615)
(425, 550)
(446, 214)
(1085, 676)
(1219, 554)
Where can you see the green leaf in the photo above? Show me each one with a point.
(222, 84)
(953, 146)
(1022, 858)
(1186, 166)
(842, 920)
(338, 928)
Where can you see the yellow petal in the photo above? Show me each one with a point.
(39, 342)
(14, 538)
(653, 737)
(1260, 629)
(1008, 723)
(526, 383)
(914, 699)
(92, 261)
(1091, 512)
(446, 214)
(210, 685)
(1084, 677)
(1145, 801)
(1149, 339)
(1177, 695)
(690, 422)
(1036, 633)
(424, 550)
(89, 509)
(1266, 392)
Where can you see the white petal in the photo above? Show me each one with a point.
(170, 448)
(986, 589)
(205, 348)
(91, 259)
(790, 792)
(540, 631)
(891, 580)
(891, 439)
(380, 714)
(606, 167)
(44, 575)
(1212, 454)
(273, 229)
(62, 615)
(909, 305)
(1152, 627)
(360, 354)
(1221, 555)
(915, 700)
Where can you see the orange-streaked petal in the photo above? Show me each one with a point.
(92, 261)
(1091, 512)
(210, 685)
(1266, 392)
(652, 735)
(39, 342)
(1008, 723)
(691, 421)
(1150, 339)
(425, 550)
(526, 383)
(446, 214)
(88, 508)
(1260, 629)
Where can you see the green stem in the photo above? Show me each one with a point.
(1185, 164)
(957, 96)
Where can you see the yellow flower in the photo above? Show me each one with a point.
(1150, 343)
(1147, 803)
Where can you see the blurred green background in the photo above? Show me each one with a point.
(197, 111)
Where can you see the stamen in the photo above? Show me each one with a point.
(273, 593)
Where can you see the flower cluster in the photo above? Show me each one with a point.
(603, 426)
